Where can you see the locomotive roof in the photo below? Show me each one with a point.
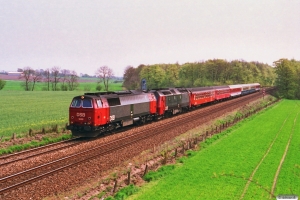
(200, 89)
(113, 94)
(169, 91)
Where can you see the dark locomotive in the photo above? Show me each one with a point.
(95, 113)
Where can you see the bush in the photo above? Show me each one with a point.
(98, 87)
(64, 88)
(2, 84)
(164, 170)
(125, 192)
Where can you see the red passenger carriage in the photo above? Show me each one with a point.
(222, 92)
(201, 95)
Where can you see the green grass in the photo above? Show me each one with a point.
(124, 192)
(21, 110)
(161, 172)
(264, 176)
(34, 143)
(83, 86)
(289, 177)
(222, 169)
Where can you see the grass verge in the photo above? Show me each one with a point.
(221, 169)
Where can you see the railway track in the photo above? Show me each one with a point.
(183, 122)
(22, 155)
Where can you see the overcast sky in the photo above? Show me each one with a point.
(85, 35)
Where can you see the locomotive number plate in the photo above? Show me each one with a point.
(80, 114)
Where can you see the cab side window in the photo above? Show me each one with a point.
(99, 103)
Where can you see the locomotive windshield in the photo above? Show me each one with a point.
(84, 103)
(76, 103)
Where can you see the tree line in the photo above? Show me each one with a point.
(199, 74)
(288, 78)
(56, 79)
(285, 76)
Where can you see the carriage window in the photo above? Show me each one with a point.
(76, 103)
(87, 103)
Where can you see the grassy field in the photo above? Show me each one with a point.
(255, 158)
(13, 85)
(24, 110)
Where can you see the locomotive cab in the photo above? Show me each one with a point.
(87, 114)
(94, 113)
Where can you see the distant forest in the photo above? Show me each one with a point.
(198, 74)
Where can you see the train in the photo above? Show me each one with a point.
(93, 114)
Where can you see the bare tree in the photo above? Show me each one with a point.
(36, 76)
(55, 77)
(104, 73)
(73, 81)
(30, 78)
(48, 78)
(65, 76)
(27, 76)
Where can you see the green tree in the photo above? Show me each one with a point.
(191, 74)
(2, 84)
(211, 72)
(185, 76)
(171, 78)
(154, 76)
(286, 78)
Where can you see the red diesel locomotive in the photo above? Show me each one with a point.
(94, 113)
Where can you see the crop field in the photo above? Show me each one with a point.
(21, 111)
(256, 159)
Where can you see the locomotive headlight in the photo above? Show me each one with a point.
(72, 117)
(89, 118)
